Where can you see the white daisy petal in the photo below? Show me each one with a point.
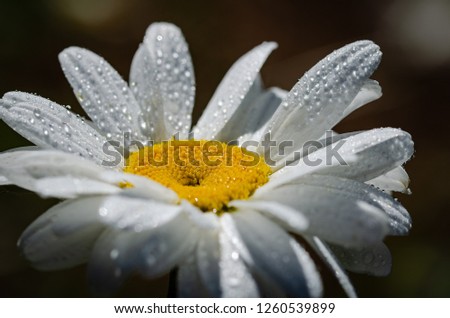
(329, 138)
(208, 259)
(309, 268)
(141, 186)
(333, 217)
(232, 91)
(235, 278)
(68, 187)
(395, 180)
(204, 221)
(54, 174)
(272, 259)
(102, 93)
(253, 114)
(162, 79)
(323, 250)
(160, 249)
(399, 218)
(49, 125)
(282, 214)
(271, 100)
(362, 157)
(189, 283)
(105, 275)
(317, 102)
(376, 152)
(151, 252)
(369, 92)
(374, 260)
(136, 214)
(63, 236)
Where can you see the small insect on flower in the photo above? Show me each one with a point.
(226, 201)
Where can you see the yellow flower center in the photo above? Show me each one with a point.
(209, 174)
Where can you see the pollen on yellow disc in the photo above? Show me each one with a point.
(209, 174)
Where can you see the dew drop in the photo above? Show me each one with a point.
(234, 281)
(103, 211)
(114, 254)
(66, 128)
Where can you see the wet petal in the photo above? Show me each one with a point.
(63, 236)
(54, 174)
(282, 214)
(162, 79)
(324, 251)
(399, 218)
(395, 180)
(151, 252)
(49, 125)
(189, 283)
(129, 213)
(232, 91)
(318, 101)
(102, 93)
(235, 277)
(208, 259)
(374, 260)
(331, 216)
(271, 258)
(250, 118)
(361, 157)
(369, 92)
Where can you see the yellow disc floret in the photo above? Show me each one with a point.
(209, 174)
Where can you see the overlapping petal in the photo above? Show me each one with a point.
(333, 217)
(395, 180)
(362, 157)
(49, 125)
(271, 258)
(63, 237)
(54, 174)
(151, 252)
(318, 101)
(102, 93)
(232, 91)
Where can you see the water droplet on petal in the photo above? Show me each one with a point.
(66, 128)
(114, 254)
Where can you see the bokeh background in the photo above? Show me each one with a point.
(415, 75)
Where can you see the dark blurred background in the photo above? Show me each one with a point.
(415, 75)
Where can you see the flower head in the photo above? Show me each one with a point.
(225, 207)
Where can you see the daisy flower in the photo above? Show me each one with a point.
(232, 208)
